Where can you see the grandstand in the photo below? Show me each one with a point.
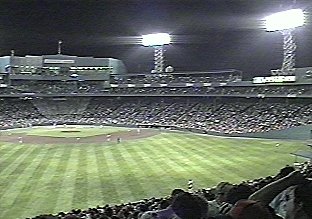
(64, 92)
(218, 102)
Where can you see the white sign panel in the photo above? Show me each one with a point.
(58, 61)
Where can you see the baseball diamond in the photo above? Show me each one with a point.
(51, 174)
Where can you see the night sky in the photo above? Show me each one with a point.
(207, 34)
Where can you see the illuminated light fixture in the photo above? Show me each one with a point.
(286, 22)
(157, 41)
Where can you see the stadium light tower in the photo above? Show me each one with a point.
(286, 22)
(157, 41)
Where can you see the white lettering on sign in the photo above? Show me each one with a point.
(59, 61)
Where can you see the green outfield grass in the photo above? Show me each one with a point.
(38, 179)
(69, 131)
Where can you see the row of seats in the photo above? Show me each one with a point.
(73, 87)
(202, 114)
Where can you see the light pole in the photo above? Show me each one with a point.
(157, 41)
(286, 22)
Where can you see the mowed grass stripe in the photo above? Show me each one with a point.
(6, 148)
(80, 192)
(15, 160)
(109, 187)
(7, 160)
(67, 188)
(198, 162)
(203, 151)
(15, 166)
(59, 158)
(214, 174)
(158, 163)
(219, 159)
(23, 191)
(189, 160)
(30, 188)
(172, 162)
(95, 195)
(13, 200)
(167, 168)
(138, 170)
(232, 159)
(238, 158)
(223, 155)
(116, 171)
(211, 157)
(40, 201)
(149, 169)
(128, 176)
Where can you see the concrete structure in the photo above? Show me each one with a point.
(60, 64)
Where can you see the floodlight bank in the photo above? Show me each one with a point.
(285, 20)
(157, 39)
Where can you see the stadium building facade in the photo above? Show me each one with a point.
(60, 65)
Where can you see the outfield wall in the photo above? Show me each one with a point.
(295, 133)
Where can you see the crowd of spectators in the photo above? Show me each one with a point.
(222, 90)
(76, 87)
(176, 78)
(207, 115)
(248, 200)
(286, 195)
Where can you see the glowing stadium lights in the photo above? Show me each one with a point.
(286, 22)
(157, 41)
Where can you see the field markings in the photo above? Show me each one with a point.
(80, 195)
(57, 158)
(228, 160)
(113, 168)
(13, 151)
(165, 167)
(93, 178)
(13, 166)
(145, 167)
(203, 159)
(40, 200)
(109, 185)
(174, 161)
(67, 187)
(100, 173)
(109, 189)
(11, 194)
(187, 159)
(126, 174)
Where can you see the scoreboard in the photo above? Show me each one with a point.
(4, 80)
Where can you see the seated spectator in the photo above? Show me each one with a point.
(285, 171)
(184, 206)
(219, 205)
(187, 206)
(239, 192)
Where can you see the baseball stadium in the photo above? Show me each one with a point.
(81, 137)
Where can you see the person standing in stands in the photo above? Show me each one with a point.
(293, 193)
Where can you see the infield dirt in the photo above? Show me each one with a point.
(104, 138)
